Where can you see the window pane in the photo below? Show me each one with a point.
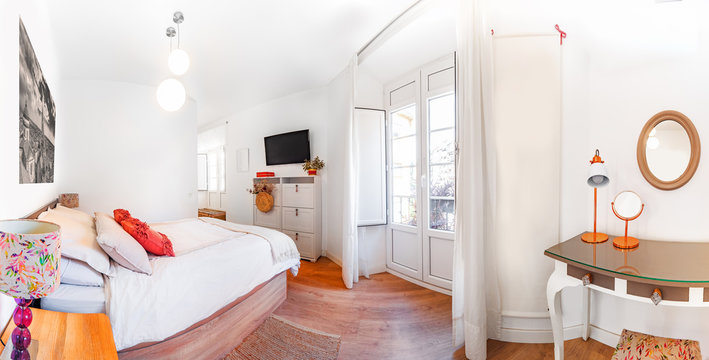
(443, 214)
(222, 170)
(442, 146)
(441, 112)
(403, 122)
(443, 180)
(403, 154)
(404, 151)
(404, 210)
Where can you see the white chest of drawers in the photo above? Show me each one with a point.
(296, 212)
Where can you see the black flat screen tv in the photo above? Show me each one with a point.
(288, 148)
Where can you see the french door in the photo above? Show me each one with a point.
(421, 177)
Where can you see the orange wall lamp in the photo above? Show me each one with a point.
(597, 177)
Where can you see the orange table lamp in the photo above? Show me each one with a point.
(597, 177)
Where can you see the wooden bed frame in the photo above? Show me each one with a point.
(217, 335)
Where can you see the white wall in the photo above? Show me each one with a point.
(18, 200)
(121, 150)
(614, 78)
(246, 129)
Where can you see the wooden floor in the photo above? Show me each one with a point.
(386, 317)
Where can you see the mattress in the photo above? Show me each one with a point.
(76, 299)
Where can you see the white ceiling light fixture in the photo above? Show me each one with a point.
(178, 61)
(171, 94)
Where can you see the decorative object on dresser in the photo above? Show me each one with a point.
(69, 200)
(212, 213)
(627, 206)
(30, 263)
(597, 177)
(296, 212)
(63, 335)
(37, 118)
(668, 150)
(312, 166)
(263, 199)
(265, 174)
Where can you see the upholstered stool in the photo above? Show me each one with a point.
(639, 346)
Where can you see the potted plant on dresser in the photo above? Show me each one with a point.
(312, 166)
(264, 199)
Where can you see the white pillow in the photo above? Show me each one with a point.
(120, 245)
(78, 215)
(78, 241)
(77, 272)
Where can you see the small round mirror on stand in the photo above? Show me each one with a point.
(627, 206)
(668, 150)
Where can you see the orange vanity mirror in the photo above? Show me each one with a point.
(627, 206)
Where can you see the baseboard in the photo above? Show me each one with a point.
(535, 328)
(338, 261)
(419, 282)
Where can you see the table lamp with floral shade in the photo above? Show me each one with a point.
(29, 269)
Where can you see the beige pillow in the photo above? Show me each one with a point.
(120, 246)
(78, 240)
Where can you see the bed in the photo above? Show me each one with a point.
(224, 281)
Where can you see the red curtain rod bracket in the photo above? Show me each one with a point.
(562, 35)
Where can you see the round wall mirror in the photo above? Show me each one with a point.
(627, 205)
(668, 150)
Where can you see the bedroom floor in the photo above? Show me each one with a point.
(386, 317)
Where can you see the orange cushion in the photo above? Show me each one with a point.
(639, 346)
(151, 240)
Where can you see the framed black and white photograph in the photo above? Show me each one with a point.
(37, 118)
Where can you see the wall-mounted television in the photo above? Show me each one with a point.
(288, 148)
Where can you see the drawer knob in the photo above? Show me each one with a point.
(296, 187)
(296, 236)
(656, 296)
(296, 212)
(587, 279)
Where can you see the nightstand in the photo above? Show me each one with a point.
(69, 336)
(217, 214)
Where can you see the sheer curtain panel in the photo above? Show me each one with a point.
(476, 302)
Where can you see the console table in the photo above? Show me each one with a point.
(677, 269)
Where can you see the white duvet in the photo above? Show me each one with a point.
(192, 286)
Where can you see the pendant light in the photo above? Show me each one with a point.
(171, 94)
(178, 61)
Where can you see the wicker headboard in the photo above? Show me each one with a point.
(35, 214)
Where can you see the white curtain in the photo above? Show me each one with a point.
(476, 302)
(350, 242)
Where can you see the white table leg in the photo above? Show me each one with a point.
(557, 281)
(586, 312)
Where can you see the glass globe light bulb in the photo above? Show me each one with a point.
(178, 62)
(171, 94)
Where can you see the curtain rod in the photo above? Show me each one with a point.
(401, 20)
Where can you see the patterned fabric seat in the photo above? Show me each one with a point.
(638, 346)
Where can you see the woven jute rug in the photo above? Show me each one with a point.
(280, 339)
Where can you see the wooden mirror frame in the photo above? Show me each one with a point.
(695, 147)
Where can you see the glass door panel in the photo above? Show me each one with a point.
(403, 143)
(441, 162)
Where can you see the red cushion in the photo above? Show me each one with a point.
(151, 240)
(120, 215)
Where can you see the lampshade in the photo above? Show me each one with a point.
(29, 258)
(597, 175)
(178, 61)
(171, 95)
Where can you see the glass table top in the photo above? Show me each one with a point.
(679, 262)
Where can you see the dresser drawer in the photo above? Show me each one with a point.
(298, 219)
(270, 219)
(305, 242)
(298, 195)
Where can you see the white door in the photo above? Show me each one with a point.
(421, 176)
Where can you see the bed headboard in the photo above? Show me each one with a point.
(35, 214)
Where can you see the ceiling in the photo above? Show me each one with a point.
(242, 52)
